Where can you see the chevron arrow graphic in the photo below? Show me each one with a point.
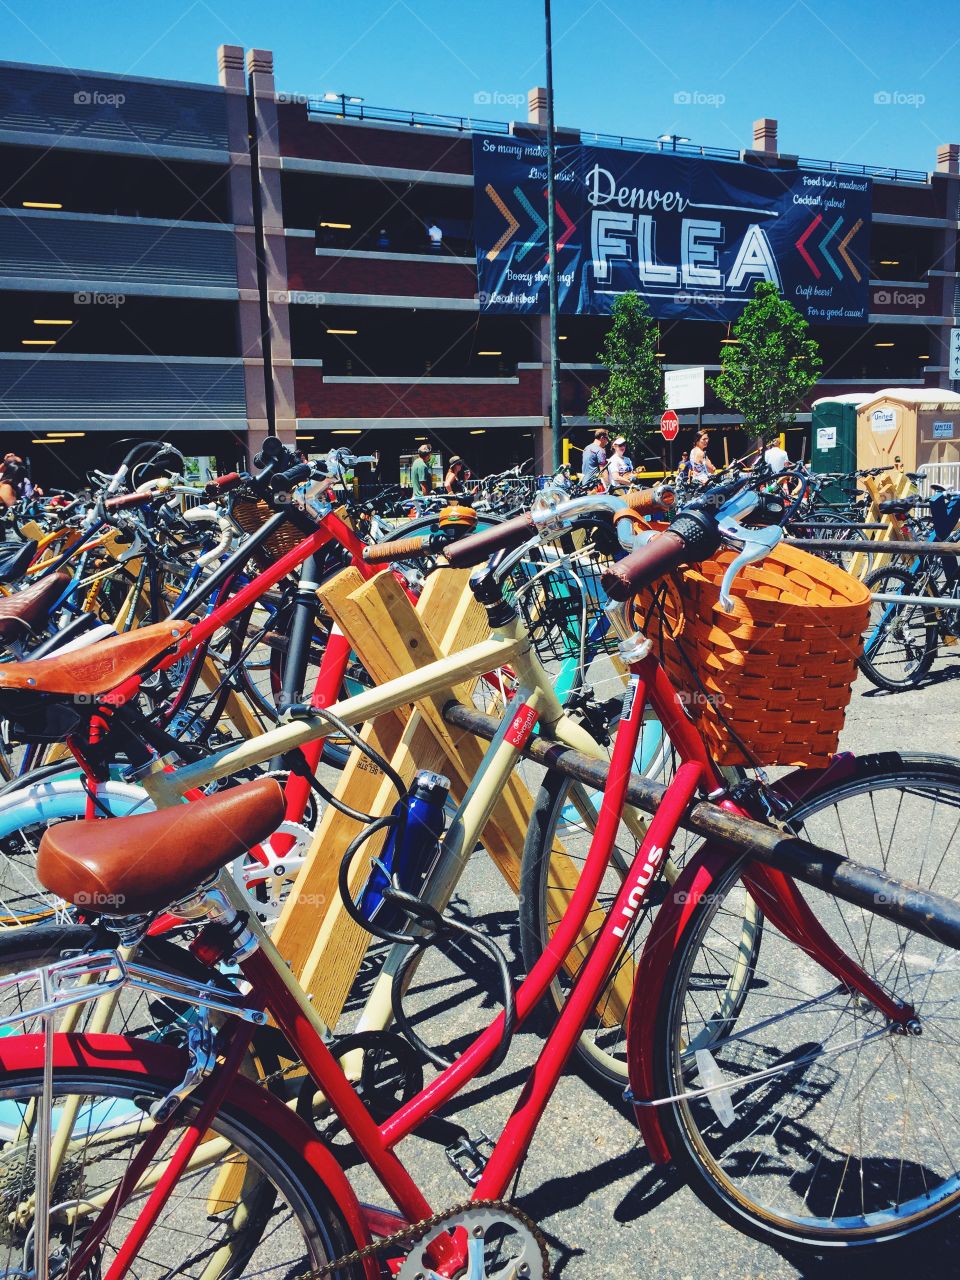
(842, 249)
(570, 227)
(512, 224)
(823, 248)
(802, 243)
(539, 225)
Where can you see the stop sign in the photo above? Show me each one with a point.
(669, 425)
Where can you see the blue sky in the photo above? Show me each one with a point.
(848, 81)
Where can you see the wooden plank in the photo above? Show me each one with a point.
(340, 943)
(314, 889)
(393, 640)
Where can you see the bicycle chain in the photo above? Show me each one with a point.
(417, 1231)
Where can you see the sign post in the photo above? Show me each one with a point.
(684, 389)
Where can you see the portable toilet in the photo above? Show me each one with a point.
(918, 425)
(833, 437)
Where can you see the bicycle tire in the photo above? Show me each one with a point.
(892, 625)
(755, 1165)
(279, 1188)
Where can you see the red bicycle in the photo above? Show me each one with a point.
(769, 1074)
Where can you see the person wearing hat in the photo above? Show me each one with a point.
(453, 481)
(619, 468)
(595, 459)
(421, 476)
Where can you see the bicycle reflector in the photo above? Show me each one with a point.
(457, 517)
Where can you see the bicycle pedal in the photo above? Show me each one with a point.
(466, 1155)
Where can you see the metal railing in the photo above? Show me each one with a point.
(945, 473)
(342, 107)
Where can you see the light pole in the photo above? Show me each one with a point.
(672, 138)
(555, 423)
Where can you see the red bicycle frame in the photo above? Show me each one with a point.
(783, 906)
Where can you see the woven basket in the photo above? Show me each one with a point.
(780, 667)
(250, 515)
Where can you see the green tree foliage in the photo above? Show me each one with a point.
(631, 399)
(772, 367)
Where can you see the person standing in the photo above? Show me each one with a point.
(453, 481)
(775, 456)
(595, 459)
(619, 468)
(421, 477)
(701, 468)
(685, 467)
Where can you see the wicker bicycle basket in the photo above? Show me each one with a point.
(779, 668)
(250, 514)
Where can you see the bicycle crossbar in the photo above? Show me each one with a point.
(926, 602)
(877, 547)
(832, 524)
(931, 914)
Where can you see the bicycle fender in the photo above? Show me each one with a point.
(671, 919)
(266, 1113)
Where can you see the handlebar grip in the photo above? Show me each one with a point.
(500, 537)
(692, 537)
(663, 553)
(401, 549)
(128, 500)
(290, 478)
(219, 484)
(650, 501)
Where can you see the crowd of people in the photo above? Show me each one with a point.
(615, 470)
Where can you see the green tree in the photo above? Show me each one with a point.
(774, 364)
(631, 397)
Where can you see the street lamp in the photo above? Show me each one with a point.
(555, 418)
(344, 99)
(672, 138)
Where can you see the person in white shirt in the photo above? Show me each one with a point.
(775, 456)
(619, 468)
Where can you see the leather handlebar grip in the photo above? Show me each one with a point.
(401, 549)
(648, 501)
(128, 500)
(657, 558)
(219, 483)
(467, 552)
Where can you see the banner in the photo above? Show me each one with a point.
(692, 236)
(510, 225)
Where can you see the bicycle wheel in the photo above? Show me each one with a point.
(900, 643)
(281, 1221)
(835, 527)
(849, 1135)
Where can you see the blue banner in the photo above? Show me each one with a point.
(692, 236)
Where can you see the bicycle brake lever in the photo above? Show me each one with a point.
(756, 544)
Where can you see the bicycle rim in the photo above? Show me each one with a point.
(277, 1220)
(850, 1136)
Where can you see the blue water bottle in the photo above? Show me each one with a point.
(410, 850)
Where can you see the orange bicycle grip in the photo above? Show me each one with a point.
(649, 501)
(381, 552)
